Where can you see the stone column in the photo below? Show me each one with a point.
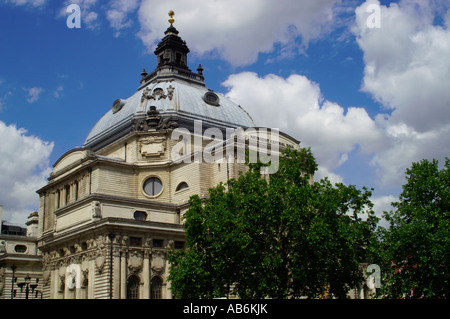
(146, 275)
(123, 275)
(116, 275)
(91, 279)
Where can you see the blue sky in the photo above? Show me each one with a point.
(368, 101)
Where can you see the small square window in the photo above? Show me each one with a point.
(158, 243)
(135, 241)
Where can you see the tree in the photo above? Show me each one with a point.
(415, 248)
(276, 236)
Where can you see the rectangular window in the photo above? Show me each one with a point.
(58, 199)
(75, 191)
(158, 243)
(67, 190)
(135, 241)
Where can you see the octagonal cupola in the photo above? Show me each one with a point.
(171, 54)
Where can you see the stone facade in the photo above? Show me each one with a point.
(91, 196)
(113, 209)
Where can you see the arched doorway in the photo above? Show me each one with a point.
(156, 288)
(133, 287)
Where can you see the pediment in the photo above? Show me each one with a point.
(70, 158)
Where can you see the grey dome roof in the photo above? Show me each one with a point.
(172, 90)
(174, 96)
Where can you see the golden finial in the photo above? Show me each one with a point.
(171, 14)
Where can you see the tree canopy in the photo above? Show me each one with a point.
(414, 250)
(278, 236)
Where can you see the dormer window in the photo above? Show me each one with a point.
(211, 98)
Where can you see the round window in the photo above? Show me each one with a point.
(153, 186)
(117, 105)
(211, 98)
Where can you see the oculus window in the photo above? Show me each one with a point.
(211, 98)
(153, 186)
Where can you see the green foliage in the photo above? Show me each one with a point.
(278, 236)
(415, 250)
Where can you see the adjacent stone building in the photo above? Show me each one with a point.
(20, 261)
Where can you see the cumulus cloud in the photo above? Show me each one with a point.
(237, 31)
(407, 71)
(382, 204)
(295, 105)
(24, 166)
(118, 14)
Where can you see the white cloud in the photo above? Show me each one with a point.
(295, 106)
(24, 163)
(3, 99)
(33, 94)
(407, 70)
(34, 3)
(236, 30)
(382, 204)
(118, 14)
(57, 93)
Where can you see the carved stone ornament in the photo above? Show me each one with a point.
(152, 146)
(135, 261)
(170, 90)
(158, 261)
(157, 94)
(101, 241)
(100, 261)
(46, 276)
(96, 210)
(62, 283)
(154, 121)
(84, 278)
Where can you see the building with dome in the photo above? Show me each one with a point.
(112, 209)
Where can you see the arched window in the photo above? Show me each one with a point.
(181, 186)
(133, 288)
(156, 288)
